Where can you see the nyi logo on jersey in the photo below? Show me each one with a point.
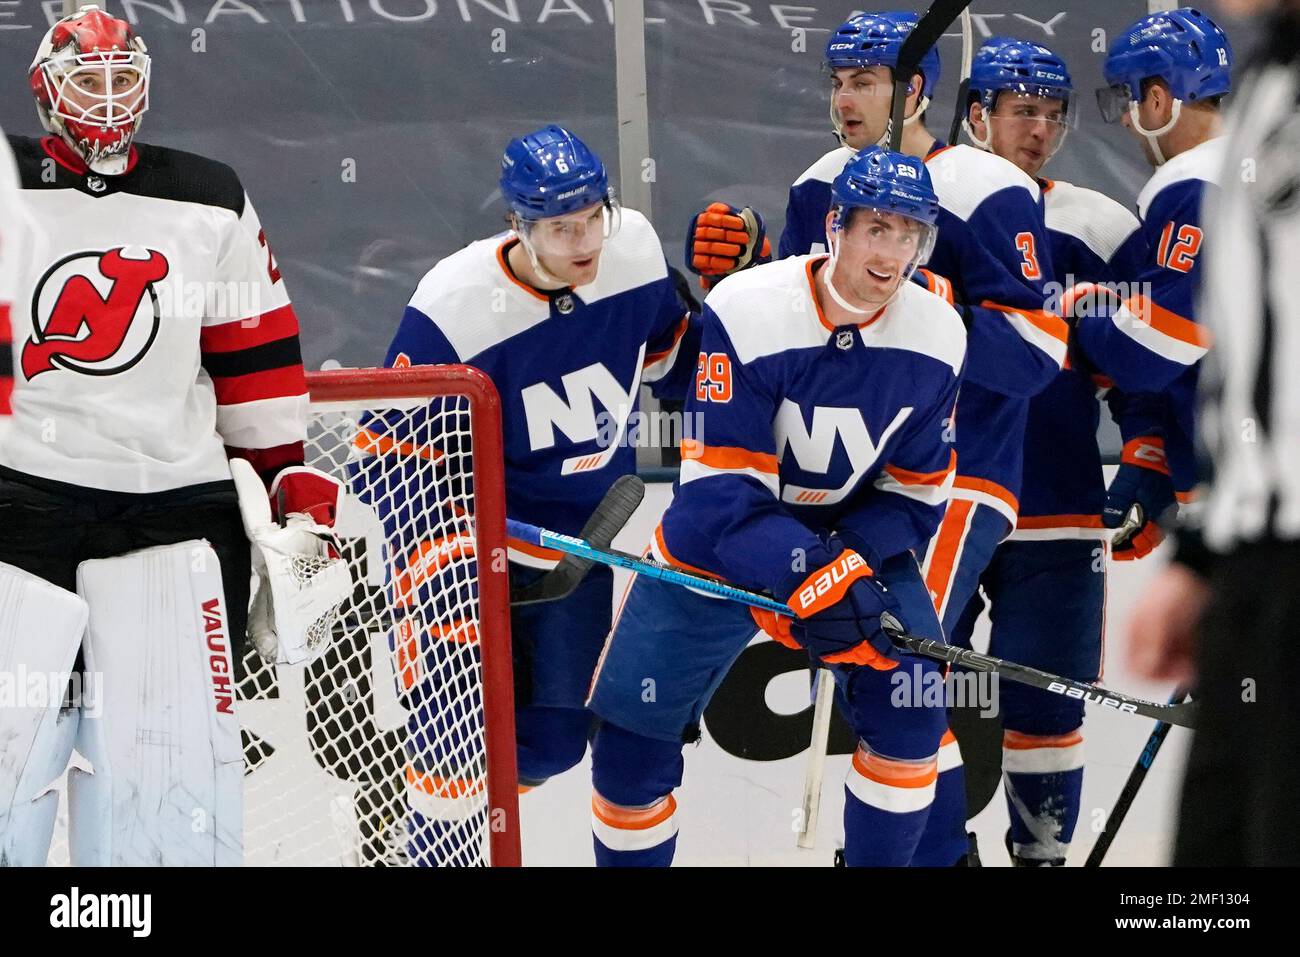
(575, 413)
(814, 448)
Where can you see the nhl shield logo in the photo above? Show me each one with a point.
(95, 312)
(844, 339)
(564, 305)
(95, 184)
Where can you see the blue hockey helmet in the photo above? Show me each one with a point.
(1183, 47)
(1020, 66)
(892, 182)
(551, 172)
(1011, 65)
(881, 180)
(875, 39)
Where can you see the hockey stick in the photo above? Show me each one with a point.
(963, 88)
(812, 781)
(613, 512)
(1129, 793)
(932, 25)
(1180, 714)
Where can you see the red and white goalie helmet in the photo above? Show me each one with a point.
(91, 82)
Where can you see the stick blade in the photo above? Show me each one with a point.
(609, 518)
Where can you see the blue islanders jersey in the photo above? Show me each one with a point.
(568, 364)
(1152, 343)
(993, 251)
(1093, 239)
(806, 428)
(810, 200)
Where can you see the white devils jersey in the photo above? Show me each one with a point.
(153, 330)
(16, 238)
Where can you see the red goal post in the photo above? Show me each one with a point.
(412, 706)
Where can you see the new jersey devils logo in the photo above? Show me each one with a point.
(77, 327)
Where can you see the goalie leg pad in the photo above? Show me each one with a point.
(40, 630)
(165, 747)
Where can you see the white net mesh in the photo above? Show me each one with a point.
(376, 754)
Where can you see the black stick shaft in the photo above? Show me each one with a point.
(1131, 787)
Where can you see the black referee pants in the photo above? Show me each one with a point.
(1242, 787)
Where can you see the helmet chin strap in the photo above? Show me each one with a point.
(1151, 135)
(542, 274)
(833, 245)
(921, 105)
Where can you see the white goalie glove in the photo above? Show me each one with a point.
(301, 583)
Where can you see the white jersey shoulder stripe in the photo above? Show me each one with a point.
(769, 309)
(964, 177)
(1203, 162)
(1094, 218)
(828, 167)
(633, 258)
(459, 292)
(922, 322)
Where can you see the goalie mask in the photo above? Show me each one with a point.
(882, 227)
(90, 78)
(561, 204)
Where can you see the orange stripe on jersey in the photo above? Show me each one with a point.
(946, 548)
(947, 739)
(534, 551)
(672, 559)
(632, 819)
(937, 284)
(908, 477)
(1016, 741)
(895, 774)
(437, 786)
(809, 268)
(373, 443)
(509, 273)
(1053, 325)
(988, 488)
(727, 457)
(1168, 323)
(662, 354)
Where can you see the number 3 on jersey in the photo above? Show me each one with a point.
(1180, 256)
(1029, 268)
(713, 377)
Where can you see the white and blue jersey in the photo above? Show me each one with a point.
(808, 428)
(568, 364)
(1152, 342)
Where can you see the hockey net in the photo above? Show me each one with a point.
(396, 747)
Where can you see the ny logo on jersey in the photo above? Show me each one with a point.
(575, 413)
(78, 328)
(813, 448)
